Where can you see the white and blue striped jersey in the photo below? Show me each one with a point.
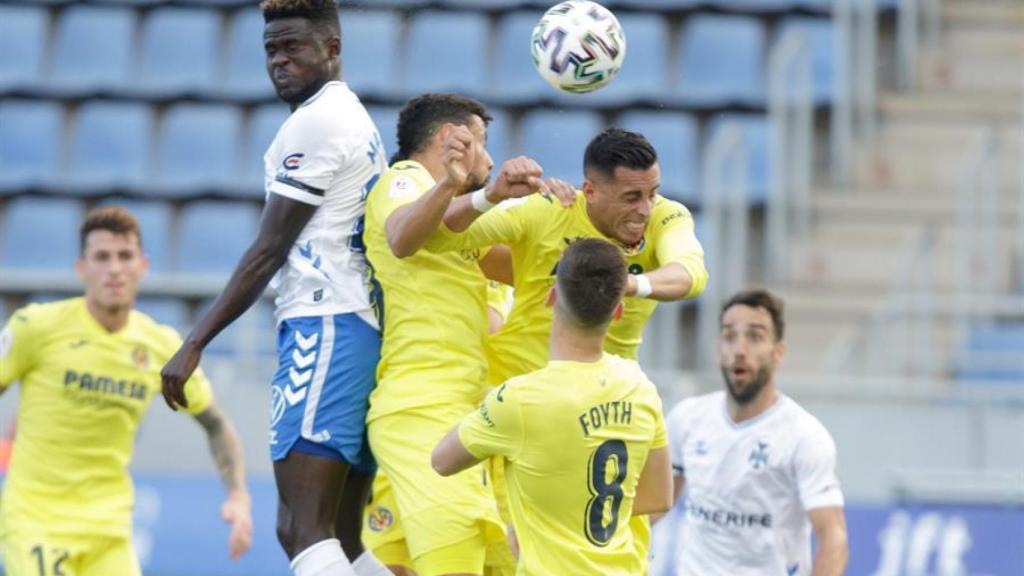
(328, 153)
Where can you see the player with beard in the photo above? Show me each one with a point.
(757, 470)
(432, 368)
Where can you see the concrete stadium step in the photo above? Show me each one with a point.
(948, 105)
(926, 207)
(990, 14)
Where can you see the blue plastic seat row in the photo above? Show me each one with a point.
(720, 60)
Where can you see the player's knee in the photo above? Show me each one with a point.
(295, 535)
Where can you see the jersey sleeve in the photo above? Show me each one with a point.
(17, 348)
(394, 191)
(312, 154)
(815, 468)
(660, 433)
(676, 241)
(677, 433)
(503, 224)
(496, 429)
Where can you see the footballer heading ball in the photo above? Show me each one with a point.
(578, 46)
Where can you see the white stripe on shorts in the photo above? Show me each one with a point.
(323, 364)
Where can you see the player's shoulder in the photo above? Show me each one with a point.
(161, 336)
(687, 409)
(666, 211)
(44, 315)
(804, 424)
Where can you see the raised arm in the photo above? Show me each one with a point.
(829, 526)
(654, 490)
(681, 273)
(281, 223)
(227, 455)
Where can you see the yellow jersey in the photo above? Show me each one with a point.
(571, 498)
(84, 391)
(538, 230)
(435, 309)
(499, 298)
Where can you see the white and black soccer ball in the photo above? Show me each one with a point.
(578, 46)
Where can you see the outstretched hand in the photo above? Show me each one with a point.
(237, 511)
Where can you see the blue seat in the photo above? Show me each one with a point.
(23, 44)
(992, 352)
(180, 48)
(170, 311)
(370, 45)
(30, 142)
(199, 146)
(557, 140)
(721, 61)
(756, 131)
(110, 145)
(213, 235)
(93, 49)
(446, 52)
(246, 59)
(264, 122)
(156, 220)
(386, 119)
(514, 76)
(820, 34)
(674, 136)
(40, 233)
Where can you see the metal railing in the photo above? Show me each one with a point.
(854, 113)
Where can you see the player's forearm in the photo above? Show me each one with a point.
(226, 449)
(668, 283)
(245, 286)
(832, 556)
(409, 227)
(461, 214)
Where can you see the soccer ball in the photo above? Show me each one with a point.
(578, 46)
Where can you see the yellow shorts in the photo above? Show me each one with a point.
(29, 551)
(449, 523)
(382, 531)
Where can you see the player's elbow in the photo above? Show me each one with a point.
(441, 463)
(400, 247)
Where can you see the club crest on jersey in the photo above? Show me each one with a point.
(380, 519)
(293, 161)
(701, 448)
(759, 456)
(140, 357)
(637, 248)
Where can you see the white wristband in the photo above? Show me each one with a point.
(643, 286)
(480, 202)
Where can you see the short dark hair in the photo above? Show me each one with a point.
(322, 13)
(766, 301)
(591, 281)
(423, 115)
(616, 147)
(113, 219)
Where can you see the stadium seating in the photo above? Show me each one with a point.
(820, 34)
(170, 64)
(436, 55)
(198, 150)
(170, 311)
(23, 44)
(499, 138)
(721, 61)
(757, 138)
(30, 143)
(156, 219)
(40, 233)
(263, 125)
(992, 353)
(213, 235)
(370, 58)
(674, 136)
(513, 77)
(557, 140)
(246, 61)
(93, 49)
(110, 145)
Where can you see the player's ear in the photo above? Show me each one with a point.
(80, 266)
(552, 297)
(333, 46)
(779, 351)
(620, 309)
